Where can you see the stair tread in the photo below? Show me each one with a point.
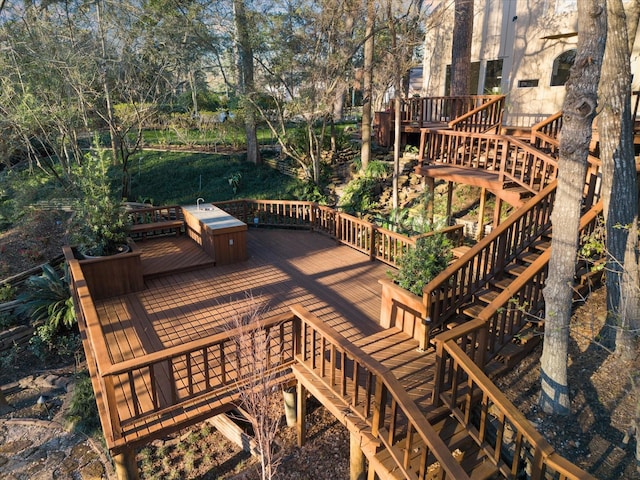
(542, 244)
(529, 257)
(470, 456)
(473, 309)
(488, 295)
(502, 283)
(515, 268)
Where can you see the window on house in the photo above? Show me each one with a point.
(561, 67)
(528, 83)
(493, 77)
(473, 80)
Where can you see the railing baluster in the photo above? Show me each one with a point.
(189, 374)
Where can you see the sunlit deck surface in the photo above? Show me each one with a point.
(335, 282)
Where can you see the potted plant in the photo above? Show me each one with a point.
(99, 231)
(100, 222)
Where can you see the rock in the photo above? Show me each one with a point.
(68, 466)
(15, 447)
(92, 471)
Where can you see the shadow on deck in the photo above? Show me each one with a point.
(186, 303)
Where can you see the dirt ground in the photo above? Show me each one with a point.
(34, 443)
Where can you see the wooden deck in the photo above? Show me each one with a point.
(195, 300)
(334, 282)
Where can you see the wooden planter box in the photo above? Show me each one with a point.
(114, 275)
(402, 309)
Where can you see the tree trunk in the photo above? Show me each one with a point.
(619, 189)
(113, 134)
(246, 84)
(579, 110)
(461, 47)
(365, 153)
(397, 85)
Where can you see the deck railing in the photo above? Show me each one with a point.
(373, 395)
(485, 118)
(421, 111)
(494, 422)
(502, 321)
(144, 215)
(545, 135)
(513, 160)
(456, 285)
(200, 374)
(94, 345)
(377, 242)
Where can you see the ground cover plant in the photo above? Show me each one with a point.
(165, 178)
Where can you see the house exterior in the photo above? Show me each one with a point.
(522, 48)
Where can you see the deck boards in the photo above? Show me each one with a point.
(285, 267)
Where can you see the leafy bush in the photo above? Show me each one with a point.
(421, 264)
(7, 293)
(377, 169)
(49, 344)
(101, 222)
(310, 192)
(360, 195)
(48, 300)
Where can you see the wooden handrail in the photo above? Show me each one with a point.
(457, 283)
(472, 121)
(545, 134)
(420, 111)
(528, 444)
(386, 386)
(369, 238)
(154, 214)
(509, 158)
(93, 340)
(497, 324)
(149, 359)
(502, 323)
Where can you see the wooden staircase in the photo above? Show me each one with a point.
(513, 170)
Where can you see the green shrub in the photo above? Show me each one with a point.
(360, 195)
(7, 293)
(47, 300)
(47, 344)
(377, 169)
(420, 265)
(310, 192)
(83, 411)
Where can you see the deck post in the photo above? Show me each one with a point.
(125, 465)
(496, 212)
(431, 185)
(483, 202)
(357, 459)
(449, 201)
(301, 405)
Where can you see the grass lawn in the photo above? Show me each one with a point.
(167, 178)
